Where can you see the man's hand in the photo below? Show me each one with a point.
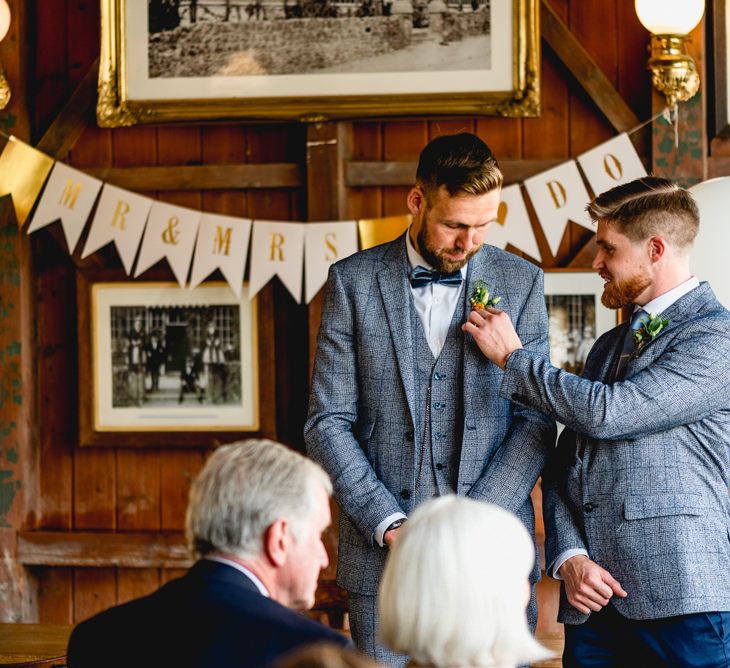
(588, 586)
(494, 334)
(389, 537)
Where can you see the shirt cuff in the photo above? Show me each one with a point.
(380, 529)
(562, 558)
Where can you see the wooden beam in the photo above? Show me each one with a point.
(72, 120)
(588, 74)
(203, 177)
(367, 174)
(103, 549)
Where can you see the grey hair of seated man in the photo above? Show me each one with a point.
(455, 587)
(243, 489)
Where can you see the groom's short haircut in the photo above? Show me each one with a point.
(243, 489)
(647, 207)
(462, 163)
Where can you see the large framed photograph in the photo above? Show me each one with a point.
(171, 60)
(576, 316)
(161, 365)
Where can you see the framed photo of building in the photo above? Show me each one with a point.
(172, 60)
(161, 365)
(576, 316)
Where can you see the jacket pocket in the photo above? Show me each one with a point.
(642, 506)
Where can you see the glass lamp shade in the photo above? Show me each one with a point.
(4, 19)
(669, 17)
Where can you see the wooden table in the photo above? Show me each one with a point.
(34, 644)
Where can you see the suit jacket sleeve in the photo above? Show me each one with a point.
(509, 477)
(333, 428)
(562, 531)
(685, 383)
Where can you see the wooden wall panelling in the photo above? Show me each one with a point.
(367, 144)
(282, 143)
(55, 595)
(82, 28)
(402, 140)
(50, 63)
(95, 589)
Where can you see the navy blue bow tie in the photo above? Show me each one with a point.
(420, 276)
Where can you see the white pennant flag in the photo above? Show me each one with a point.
(69, 197)
(325, 244)
(277, 249)
(120, 217)
(612, 163)
(170, 233)
(513, 224)
(559, 195)
(222, 244)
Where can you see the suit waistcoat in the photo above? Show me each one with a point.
(439, 408)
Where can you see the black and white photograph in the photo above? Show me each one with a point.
(173, 59)
(576, 316)
(170, 358)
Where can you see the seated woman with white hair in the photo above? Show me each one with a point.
(454, 591)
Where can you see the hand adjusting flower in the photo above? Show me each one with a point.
(480, 299)
(649, 330)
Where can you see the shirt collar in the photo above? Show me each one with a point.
(240, 567)
(663, 302)
(415, 258)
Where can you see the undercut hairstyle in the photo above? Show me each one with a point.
(647, 207)
(455, 587)
(461, 163)
(243, 489)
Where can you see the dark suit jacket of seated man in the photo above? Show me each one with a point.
(226, 610)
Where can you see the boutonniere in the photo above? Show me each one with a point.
(480, 299)
(649, 330)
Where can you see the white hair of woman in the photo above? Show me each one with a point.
(455, 587)
(242, 489)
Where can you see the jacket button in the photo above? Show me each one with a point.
(409, 436)
(439, 467)
(405, 494)
(588, 507)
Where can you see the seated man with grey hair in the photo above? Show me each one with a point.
(255, 519)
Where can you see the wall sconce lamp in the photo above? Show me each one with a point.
(673, 71)
(4, 27)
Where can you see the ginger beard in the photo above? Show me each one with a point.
(618, 293)
(437, 257)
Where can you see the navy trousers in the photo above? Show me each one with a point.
(609, 639)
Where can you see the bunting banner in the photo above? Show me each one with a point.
(69, 196)
(324, 244)
(222, 244)
(610, 164)
(197, 244)
(513, 224)
(277, 249)
(170, 233)
(559, 196)
(23, 171)
(120, 217)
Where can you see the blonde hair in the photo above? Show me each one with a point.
(454, 587)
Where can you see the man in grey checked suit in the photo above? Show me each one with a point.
(403, 406)
(636, 499)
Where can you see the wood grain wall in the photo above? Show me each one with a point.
(132, 490)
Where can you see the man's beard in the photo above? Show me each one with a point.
(617, 294)
(435, 257)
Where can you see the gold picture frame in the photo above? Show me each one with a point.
(507, 87)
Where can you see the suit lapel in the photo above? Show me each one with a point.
(396, 294)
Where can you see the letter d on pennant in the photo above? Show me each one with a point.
(556, 188)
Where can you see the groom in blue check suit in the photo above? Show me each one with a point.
(404, 407)
(636, 498)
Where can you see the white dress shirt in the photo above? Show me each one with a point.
(239, 567)
(435, 304)
(657, 307)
